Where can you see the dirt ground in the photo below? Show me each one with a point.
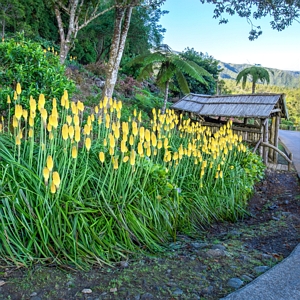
(221, 259)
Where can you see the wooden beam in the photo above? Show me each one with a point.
(290, 160)
(275, 110)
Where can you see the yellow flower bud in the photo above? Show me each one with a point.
(32, 104)
(140, 148)
(116, 163)
(111, 151)
(30, 132)
(132, 157)
(74, 152)
(53, 188)
(15, 95)
(25, 114)
(44, 114)
(71, 132)
(101, 156)
(142, 133)
(41, 102)
(56, 179)
(49, 163)
(65, 132)
(76, 120)
(123, 146)
(15, 122)
(18, 111)
(125, 159)
(111, 141)
(159, 144)
(88, 143)
(18, 89)
(18, 140)
(69, 120)
(46, 174)
(8, 99)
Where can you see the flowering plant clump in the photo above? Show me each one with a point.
(92, 190)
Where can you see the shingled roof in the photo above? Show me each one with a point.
(250, 105)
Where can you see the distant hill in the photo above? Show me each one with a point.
(289, 79)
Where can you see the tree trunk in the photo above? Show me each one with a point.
(253, 87)
(117, 48)
(65, 42)
(163, 110)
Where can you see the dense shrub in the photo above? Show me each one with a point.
(37, 70)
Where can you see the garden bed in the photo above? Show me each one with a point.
(191, 268)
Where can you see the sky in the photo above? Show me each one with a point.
(191, 24)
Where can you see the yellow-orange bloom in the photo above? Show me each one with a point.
(101, 156)
(32, 104)
(46, 174)
(49, 163)
(123, 146)
(18, 111)
(74, 152)
(56, 179)
(131, 140)
(18, 89)
(65, 132)
(53, 188)
(18, 140)
(111, 141)
(140, 148)
(15, 122)
(88, 143)
(116, 163)
(71, 132)
(41, 102)
(69, 120)
(25, 114)
(132, 157)
(30, 132)
(44, 115)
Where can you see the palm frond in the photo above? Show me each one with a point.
(165, 73)
(182, 82)
(147, 59)
(185, 67)
(145, 72)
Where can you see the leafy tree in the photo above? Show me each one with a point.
(74, 15)
(123, 12)
(168, 65)
(11, 11)
(209, 64)
(283, 12)
(256, 74)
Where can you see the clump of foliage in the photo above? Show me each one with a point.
(38, 70)
(88, 188)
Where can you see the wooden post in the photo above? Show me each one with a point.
(276, 134)
(265, 139)
(261, 137)
(290, 165)
(272, 135)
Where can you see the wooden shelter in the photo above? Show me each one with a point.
(255, 116)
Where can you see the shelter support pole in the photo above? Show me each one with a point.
(276, 134)
(265, 139)
(261, 137)
(272, 138)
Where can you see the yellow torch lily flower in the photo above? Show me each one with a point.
(56, 179)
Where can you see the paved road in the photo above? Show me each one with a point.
(291, 139)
